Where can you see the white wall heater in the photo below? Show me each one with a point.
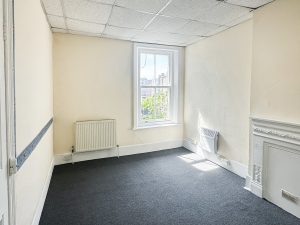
(95, 135)
(209, 140)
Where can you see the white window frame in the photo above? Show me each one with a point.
(174, 53)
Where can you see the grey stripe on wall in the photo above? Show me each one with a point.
(29, 149)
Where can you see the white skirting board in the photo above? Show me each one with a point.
(123, 150)
(40, 206)
(233, 166)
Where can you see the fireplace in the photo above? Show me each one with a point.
(274, 165)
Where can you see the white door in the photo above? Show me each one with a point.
(3, 151)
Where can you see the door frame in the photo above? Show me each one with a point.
(9, 75)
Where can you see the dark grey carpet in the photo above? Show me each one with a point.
(153, 189)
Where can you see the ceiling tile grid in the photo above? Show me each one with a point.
(215, 31)
(240, 20)
(161, 38)
(222, 14)
(87, 10)
(82, 26)
(123, 17)
(150, 6)
(171, 22)
(197, 28)
(166, 24)
(111, 31)
(188, 9)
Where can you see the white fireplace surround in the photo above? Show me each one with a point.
(272, 137)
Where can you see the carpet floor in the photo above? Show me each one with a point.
(171, 187)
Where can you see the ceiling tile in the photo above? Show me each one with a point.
(147, 35)
(81, 26)
(193, 41)
(84, 33)
(120, 32)
(127, 19)
(116, 37)
(249, 3)
(197, 28)
(170, 43)
(165, 37)
(87, 11)
(57, 21)
(177, 38)
(111, 2)
(189, 39)
(58, 30)
(122, 17)
(158, 42)
(152, 6)
(166, 24)
(218, 30)
(53, 7)
(222, 14)
(240, 19)
(188, 9)
(162, 38)
(150, 37)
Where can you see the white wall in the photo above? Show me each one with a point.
(275, 86)
(217, 89)
(34, 97)
(93, 79)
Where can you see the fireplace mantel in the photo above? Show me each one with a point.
(271, 137)
(287, 132)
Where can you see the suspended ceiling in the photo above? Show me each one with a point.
(171, 22)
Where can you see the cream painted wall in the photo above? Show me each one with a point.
(31, 178)
(34, 108)
(275, 86)
(93, 80)
(217, 89)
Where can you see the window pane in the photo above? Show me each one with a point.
(162, 70)
(147, 70)
(155, 104)
(147, 104)
(162, 96)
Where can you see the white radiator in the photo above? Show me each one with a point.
(95, 135)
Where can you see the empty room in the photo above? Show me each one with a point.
(150, 112)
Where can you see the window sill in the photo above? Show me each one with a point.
(157, 126)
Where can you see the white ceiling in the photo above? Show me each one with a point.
(171, 22)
